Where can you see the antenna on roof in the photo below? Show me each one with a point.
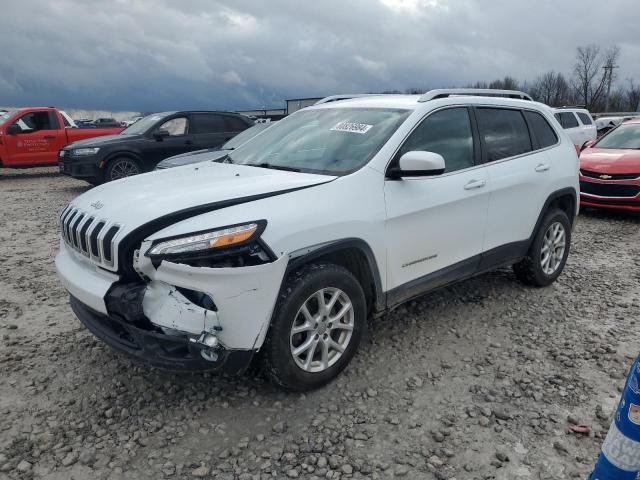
(478, 92)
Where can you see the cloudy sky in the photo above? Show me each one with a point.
(153, 55)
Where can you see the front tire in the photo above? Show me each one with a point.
(121, 168)
(548, 253)
(317, 326)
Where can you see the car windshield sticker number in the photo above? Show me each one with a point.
(352, 127)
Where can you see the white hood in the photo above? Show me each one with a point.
(137, 200)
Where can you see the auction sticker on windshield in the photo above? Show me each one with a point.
(352, 127)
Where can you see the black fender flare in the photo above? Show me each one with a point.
(563, 192)
(379, 303)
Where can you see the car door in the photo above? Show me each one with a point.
(40, 139)
(435, 224)
(170, 138)
(519, 165)
(210, 130)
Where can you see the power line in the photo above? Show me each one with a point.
(608, 72)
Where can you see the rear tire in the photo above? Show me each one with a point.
(548, 253)
(121, 167)
(317, 325)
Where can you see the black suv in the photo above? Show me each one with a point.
(144, 144)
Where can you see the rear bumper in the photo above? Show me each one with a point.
(157, 349)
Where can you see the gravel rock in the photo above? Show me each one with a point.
(24, 466)
(201, 472)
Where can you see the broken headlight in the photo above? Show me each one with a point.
(236, 245)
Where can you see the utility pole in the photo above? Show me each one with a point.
(608, 72)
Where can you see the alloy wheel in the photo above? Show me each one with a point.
(124, 168)
(322, 330)
(553, 247)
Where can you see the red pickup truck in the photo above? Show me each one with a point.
(32, 137)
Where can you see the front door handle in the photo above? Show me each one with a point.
(543, 167)
(475, 184)
(49, 137)
(188, 142)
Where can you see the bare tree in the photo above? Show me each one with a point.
(551, 88)
(506, 83)
(591, 80)
(632, 96)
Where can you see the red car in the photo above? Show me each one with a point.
(32, 137)
(610, 170)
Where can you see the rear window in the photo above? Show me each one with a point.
(504, 132)
(584, 118)
(542, 131)
(207, 123)
(567, 119)
(234, 124)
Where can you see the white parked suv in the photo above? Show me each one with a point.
(577, 124)
(341, 211)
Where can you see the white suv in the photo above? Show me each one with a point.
(577, 124)
(339, 212)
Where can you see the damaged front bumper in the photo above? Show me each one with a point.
(157, 349)
(161, 323)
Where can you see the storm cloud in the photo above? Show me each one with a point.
(152, 55)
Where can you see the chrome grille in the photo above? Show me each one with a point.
(94, 237)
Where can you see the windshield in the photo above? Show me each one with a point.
(4, 116)
(625, 136)
(244, 136)
(332, 141)
(144, 124)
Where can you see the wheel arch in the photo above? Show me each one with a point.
(123, 154)
(565, 199)
(355, 255)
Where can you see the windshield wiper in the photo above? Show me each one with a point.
(274, 167)
(225, 159)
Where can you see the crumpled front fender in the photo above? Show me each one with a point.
(245, 298)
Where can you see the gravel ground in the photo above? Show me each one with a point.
(481, 380)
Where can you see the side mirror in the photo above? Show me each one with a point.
(161, 134)
(14, 129)
(587, 144)
(418, 164)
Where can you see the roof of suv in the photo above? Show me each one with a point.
(413, 101)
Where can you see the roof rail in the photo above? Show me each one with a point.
(479, 92)
(335, 98)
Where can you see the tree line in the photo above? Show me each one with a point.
(593, 84)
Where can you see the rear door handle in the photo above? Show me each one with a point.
(49, 137)
(475, 184)
(543, 167)
(188, 142)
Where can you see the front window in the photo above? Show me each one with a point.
(175, 126)
(36, 121)
(332, 141)
(447, 132)
(144, 124)
(625, 136)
